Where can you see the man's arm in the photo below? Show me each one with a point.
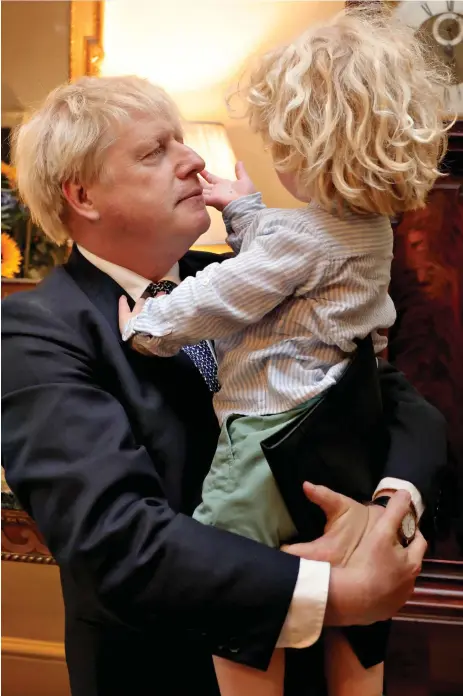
(72, 459)
(74, 463)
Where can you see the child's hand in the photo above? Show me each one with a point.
(220, 192)
(125, 314)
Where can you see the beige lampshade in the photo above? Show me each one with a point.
(210, 140)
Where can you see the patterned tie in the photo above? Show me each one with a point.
(199, 354)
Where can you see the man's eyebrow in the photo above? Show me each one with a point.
(145, 142)
(150, 139)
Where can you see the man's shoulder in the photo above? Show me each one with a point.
(52, 299)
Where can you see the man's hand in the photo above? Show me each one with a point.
(347, 522)
(220, 192)
(125, 314)
(380, 575)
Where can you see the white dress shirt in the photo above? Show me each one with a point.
(306, 613)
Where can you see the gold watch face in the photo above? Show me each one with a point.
(408, 526)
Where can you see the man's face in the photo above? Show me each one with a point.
(150, 196)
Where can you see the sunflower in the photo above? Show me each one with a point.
(11, 257)
(10, 173)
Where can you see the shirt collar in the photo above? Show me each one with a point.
(133, 284)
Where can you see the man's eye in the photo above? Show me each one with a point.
(157, 151)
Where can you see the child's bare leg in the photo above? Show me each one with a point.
(239, 680)
(345, 676)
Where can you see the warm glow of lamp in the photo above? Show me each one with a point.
(183, 45)
(210, 140)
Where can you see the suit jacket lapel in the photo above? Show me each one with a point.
(104, 292)
(100, 288)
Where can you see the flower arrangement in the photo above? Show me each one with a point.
(25, 249)
(12, 210)
(11, 256)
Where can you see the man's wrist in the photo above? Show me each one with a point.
(305, 617)
(390, 485)
(344, 598)
(382, 497)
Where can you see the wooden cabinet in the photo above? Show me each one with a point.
(426, 646)
(33, 662)
(16, 285)
(426, 343)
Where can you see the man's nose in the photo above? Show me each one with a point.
(190, 163)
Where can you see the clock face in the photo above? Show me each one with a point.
(441, 23)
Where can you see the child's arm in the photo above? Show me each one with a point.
(239, 217)
(224, 298)
(238, 201)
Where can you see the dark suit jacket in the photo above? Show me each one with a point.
(107, 450)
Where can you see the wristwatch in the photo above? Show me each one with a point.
(409, 524)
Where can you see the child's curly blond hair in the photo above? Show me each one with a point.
(354, 108)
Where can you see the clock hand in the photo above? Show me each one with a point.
(450, 52)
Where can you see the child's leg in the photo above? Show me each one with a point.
(239, 680)
(240, 495)
(345, 676)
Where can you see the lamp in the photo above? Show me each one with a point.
(210, 140)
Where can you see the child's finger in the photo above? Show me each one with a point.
(240, 171)
(205, 186)
(210, 178)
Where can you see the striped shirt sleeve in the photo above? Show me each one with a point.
(239, 216)
(226, 297)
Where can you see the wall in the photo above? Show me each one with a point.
(198, 59)
(35, 53)
(32, 631)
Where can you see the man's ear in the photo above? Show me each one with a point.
(80, 200)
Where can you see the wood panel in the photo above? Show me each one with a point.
(425, 660)
(426, 644)
(33, 662)
(16, 285)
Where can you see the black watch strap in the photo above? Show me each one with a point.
(382, 500)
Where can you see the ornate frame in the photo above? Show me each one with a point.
(21, 540)
(86, 38)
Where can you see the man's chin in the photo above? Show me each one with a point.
(203, 223)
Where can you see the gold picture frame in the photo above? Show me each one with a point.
(86, 38)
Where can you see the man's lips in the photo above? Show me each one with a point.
(192, 194)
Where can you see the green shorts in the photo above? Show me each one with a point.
(239, 492)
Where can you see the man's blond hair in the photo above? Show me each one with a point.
(65, 138)
(354, 108)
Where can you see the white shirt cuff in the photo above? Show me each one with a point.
(306, 614)
(395, 484)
